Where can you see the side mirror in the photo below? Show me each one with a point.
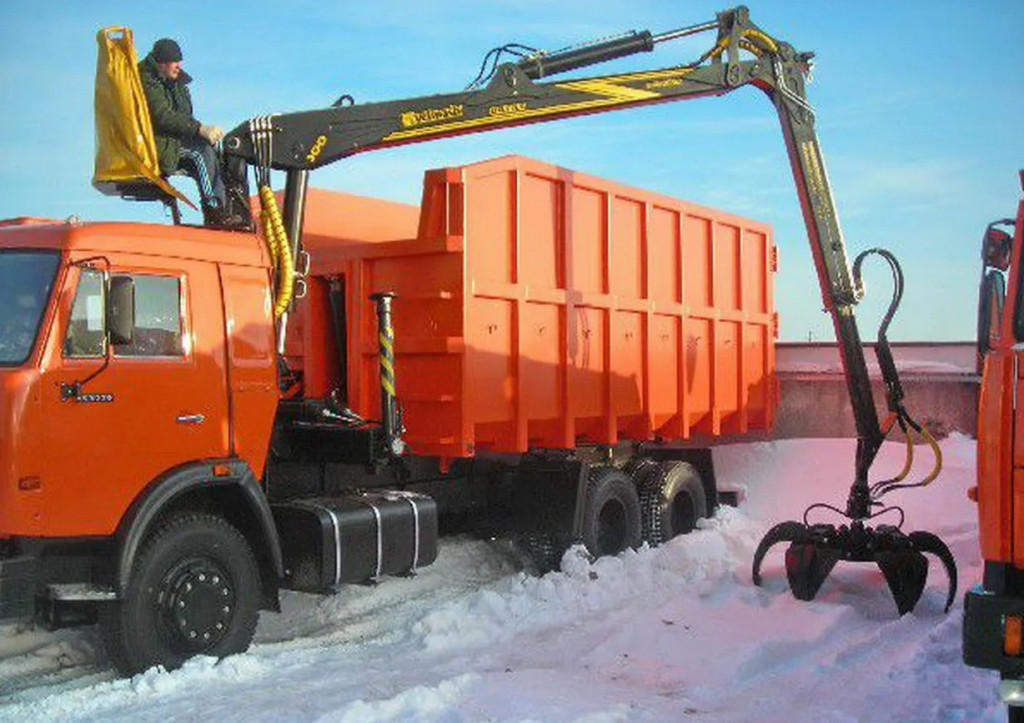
(996, 247)
(121, 310)
(990, 310)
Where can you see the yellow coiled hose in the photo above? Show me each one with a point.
(280, 250)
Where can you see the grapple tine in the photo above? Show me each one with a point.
(905, 571)
(782, 532)
(807, 566)
(928, 542)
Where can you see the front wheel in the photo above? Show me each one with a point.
(194, 590)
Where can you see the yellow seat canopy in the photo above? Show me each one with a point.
(125, 145)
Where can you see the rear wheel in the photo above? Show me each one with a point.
(611, 519)
(672, 499)
(194, 589)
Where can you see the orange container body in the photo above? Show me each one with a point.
(542, 308)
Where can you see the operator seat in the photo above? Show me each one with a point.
(126, 158)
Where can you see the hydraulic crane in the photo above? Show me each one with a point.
(517, 93)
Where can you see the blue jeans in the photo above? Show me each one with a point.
(200, 161)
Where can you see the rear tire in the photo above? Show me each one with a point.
(611, 517)
(194, 590)
(542, 549)
(672, 499)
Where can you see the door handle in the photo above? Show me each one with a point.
(191, 419)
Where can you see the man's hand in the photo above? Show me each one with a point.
(212, 134)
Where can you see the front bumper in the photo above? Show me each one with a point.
(19, 579)
(984, 624)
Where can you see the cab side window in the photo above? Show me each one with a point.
(158, 330)
(86, 336)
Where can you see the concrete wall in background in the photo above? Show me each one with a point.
(939, 381)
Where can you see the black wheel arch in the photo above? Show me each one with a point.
(226, 487)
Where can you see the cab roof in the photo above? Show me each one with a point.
(191, 242)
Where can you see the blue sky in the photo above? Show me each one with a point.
(919, 107)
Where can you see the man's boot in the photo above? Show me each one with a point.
(224, 218)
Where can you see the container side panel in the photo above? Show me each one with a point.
(699, 380)
(314, 327)
(755, 375)
(755, 272)
(416, 318)
(429, 391)
(625, 268)
(627, 363)
(664, 370)
(664, 282)
(541, 233)
(726, 367)
(540, 354)
(433, 206)
(727, 282)
(418, 277)
(491, 226)
(587, 364)
(697, 255)
(490, 392)
(588, 232)
(428, 341)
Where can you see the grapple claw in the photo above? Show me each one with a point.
(906, 571)
(928, 542)
(794, 532)
(807, 566)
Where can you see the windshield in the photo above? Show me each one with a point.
(26, 280)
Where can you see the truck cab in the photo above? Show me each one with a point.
(122, 364)
(994, 608)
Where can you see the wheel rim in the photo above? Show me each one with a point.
(611, 534)
(197, 605)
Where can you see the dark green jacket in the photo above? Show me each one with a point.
(170, 109)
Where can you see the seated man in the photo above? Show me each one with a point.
(182, 142)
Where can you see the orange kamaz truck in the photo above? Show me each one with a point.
(193, 419)
(993, 632)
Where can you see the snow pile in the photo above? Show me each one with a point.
(669, 634)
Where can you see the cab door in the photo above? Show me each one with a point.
(144, 407)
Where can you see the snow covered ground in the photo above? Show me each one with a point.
(677, 633)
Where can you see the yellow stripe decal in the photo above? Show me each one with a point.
(611, 89)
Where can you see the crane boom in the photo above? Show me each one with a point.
(519, 93)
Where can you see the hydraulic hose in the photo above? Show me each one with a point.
(280, 250)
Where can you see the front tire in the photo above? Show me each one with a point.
(194, 590)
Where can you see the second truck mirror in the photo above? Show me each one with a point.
(998, 245)
(121, 310)
(990, 310)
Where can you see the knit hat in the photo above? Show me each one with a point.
(166, 50)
